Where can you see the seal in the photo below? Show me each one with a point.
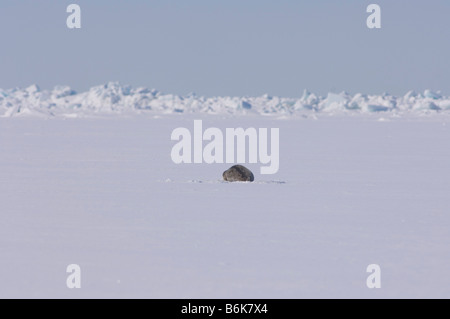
(238, 173)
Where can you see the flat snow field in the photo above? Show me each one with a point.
(104, 193)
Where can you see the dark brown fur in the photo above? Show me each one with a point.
(238, 173)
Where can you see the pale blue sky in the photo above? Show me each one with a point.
(228, 47)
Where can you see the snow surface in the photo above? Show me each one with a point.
(103, 193)
(113, 98)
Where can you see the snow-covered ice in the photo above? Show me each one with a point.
(103, 193)
(114, 98)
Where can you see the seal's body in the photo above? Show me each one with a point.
(238, 173)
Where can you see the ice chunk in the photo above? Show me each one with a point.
(62, 91)
(432, 95)
(32, 89)
(377, 108)
(334, 101)
(246, 105)
(410, 94)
